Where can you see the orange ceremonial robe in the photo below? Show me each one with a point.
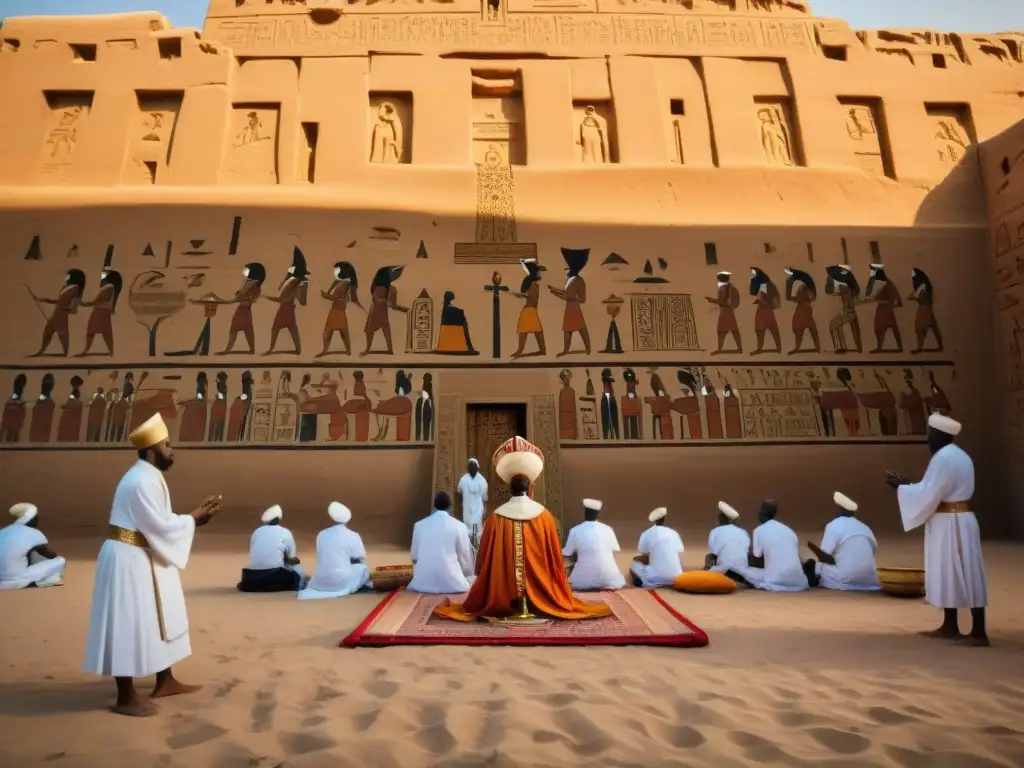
(526, 552)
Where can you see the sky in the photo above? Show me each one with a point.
(945, 15)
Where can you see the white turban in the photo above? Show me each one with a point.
(592, 504)
(728, 511)
(944, 424)
(657, 514)
(338, 512)
(273, 513)
(24, 513)
(844, 501)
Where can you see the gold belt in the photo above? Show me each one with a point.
(953, 507)
(136, 539)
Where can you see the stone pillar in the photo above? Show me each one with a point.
(639, 111)
(333, 93)
(547, 109)
(200, 136)
(103, 138)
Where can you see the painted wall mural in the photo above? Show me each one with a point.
(279, 407)
(780, 403)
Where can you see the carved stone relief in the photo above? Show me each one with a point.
(68, 114)
(951, 132)
(390, 128)
(867, 143)
(775, 131)
(594, 126)
(153, 138)
(252, 145)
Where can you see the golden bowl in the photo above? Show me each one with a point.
(902, 582)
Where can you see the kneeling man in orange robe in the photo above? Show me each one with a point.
(520, 554)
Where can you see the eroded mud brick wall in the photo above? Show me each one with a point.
(695, 251)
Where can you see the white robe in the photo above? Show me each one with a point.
(730, 545)
(783, 570)
(664, 546)
(953, 562)
(336, 575)
(138, 624)
(442, 555)
(20, 567)
(852, 544)
(594, 544)
(474, 497)
(268, 548)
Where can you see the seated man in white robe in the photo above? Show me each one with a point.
(846, 557)
(591, 546)
(728, 546)
(273, 558)
(661, 554)
(472, 494)
(341, 567)
(26, 559)
(442, 554)
(138, 625)
(953, 562)
(774, 557)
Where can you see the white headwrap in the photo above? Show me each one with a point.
(944, 424)
(844, 501)
(657, 514)
(593, 504)
(728, 511)
(338, 512)
(23, 513)
(273, 513)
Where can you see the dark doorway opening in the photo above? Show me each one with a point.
(488, 425)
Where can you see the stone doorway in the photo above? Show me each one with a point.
(488, 425)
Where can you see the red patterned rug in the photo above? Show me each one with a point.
(639, 617)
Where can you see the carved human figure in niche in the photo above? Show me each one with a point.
(41, 422)
(529, 316)
(219, 410)
(66, 304)
(632, 408)
(13, 418)
(574, 294)
(775, 137)
(383, 297)
(661, 408)
(687, 405)
(453, 332)
(912, 404)
(860, 123)
(194, 412)
(63, 137)
(69, 427)
(609, 408)
(887, 300)
(103, 306)
(924, 318)
(712, 407)
(153, 124)
(800, 290)
(732, 412)
(492, 10)
(96, 417)
(567, 425)
(241, 412)
(767, 300)
(424, 412)
(291, 291)
(343, 290)
(952, 146)
(727, 299)
(252, 133)
(386, 140)
(248, 292)
(593, 137)
(841, 282)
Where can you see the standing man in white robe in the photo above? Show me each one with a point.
(341, 567)
(728, 546)
(442, 554)
(592, 545)
(953, 562)
(775, 554)
(661, 554)
(846, 557)
(273, 558)
(138, 625)
(26, 559)
(472, 494)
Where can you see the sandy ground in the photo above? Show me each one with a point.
(812, 679)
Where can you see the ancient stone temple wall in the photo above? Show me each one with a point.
(695, 250)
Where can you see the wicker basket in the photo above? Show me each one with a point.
(902, 582)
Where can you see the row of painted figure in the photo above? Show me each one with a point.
(661, 321)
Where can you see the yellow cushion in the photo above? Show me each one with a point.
(704, 583)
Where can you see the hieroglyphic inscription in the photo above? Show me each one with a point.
(446, 451)
(295, 35)
(545, 419)
(664, 322)
(775, 413)
(421, 324)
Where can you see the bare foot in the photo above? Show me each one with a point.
(172, 687)
(973, 641)
(135, 708)
(941, 632)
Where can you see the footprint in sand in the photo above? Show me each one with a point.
(313, 721)
(573, 686)
(223, 688)
(909, 758)
(325, 693)
(192, 733)
(785, 693)
(999, 730)
(380, 688)
(797, 719)
(365, 721)
(434, 735)
(493, 731)
(758, 750)
(886, 716)
(587, 739)
(555, 700)
(682, 736)
(840, 742)
(546, 737)
(730, 700)
(453, 685)
(697, 714)
(304, 743)
(262, 713)
(494, 705)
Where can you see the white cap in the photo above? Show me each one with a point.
(24, 513)
(844, 501)
(273, 513)
(846, 267)
(944, 424)
(338, 512)
(593, 504)
(728, 511)
(657, 514)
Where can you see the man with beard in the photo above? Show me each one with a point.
(138, 625)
